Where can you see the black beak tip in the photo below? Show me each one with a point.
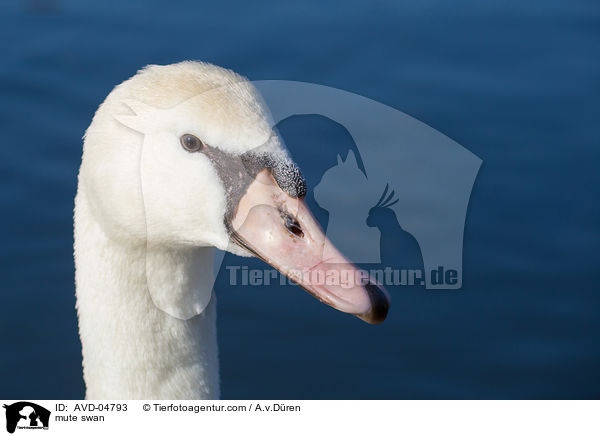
(380, 304)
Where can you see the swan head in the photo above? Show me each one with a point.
(185, 155)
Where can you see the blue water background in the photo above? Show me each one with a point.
(516, 82)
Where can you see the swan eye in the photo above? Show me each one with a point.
(191, 143)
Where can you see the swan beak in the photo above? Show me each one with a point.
(281, 231)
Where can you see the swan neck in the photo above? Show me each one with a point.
(131, 348)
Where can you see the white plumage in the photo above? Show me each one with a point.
(131, 348)
(149, 212)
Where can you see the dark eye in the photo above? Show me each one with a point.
(191, 143)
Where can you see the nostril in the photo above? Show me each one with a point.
(292, 225)
(296, 230)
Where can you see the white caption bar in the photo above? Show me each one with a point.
(301, 417)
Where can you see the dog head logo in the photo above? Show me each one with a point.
(26, 415)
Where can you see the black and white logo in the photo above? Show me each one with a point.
(26, 415)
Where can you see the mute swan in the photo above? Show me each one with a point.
(205, 170)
